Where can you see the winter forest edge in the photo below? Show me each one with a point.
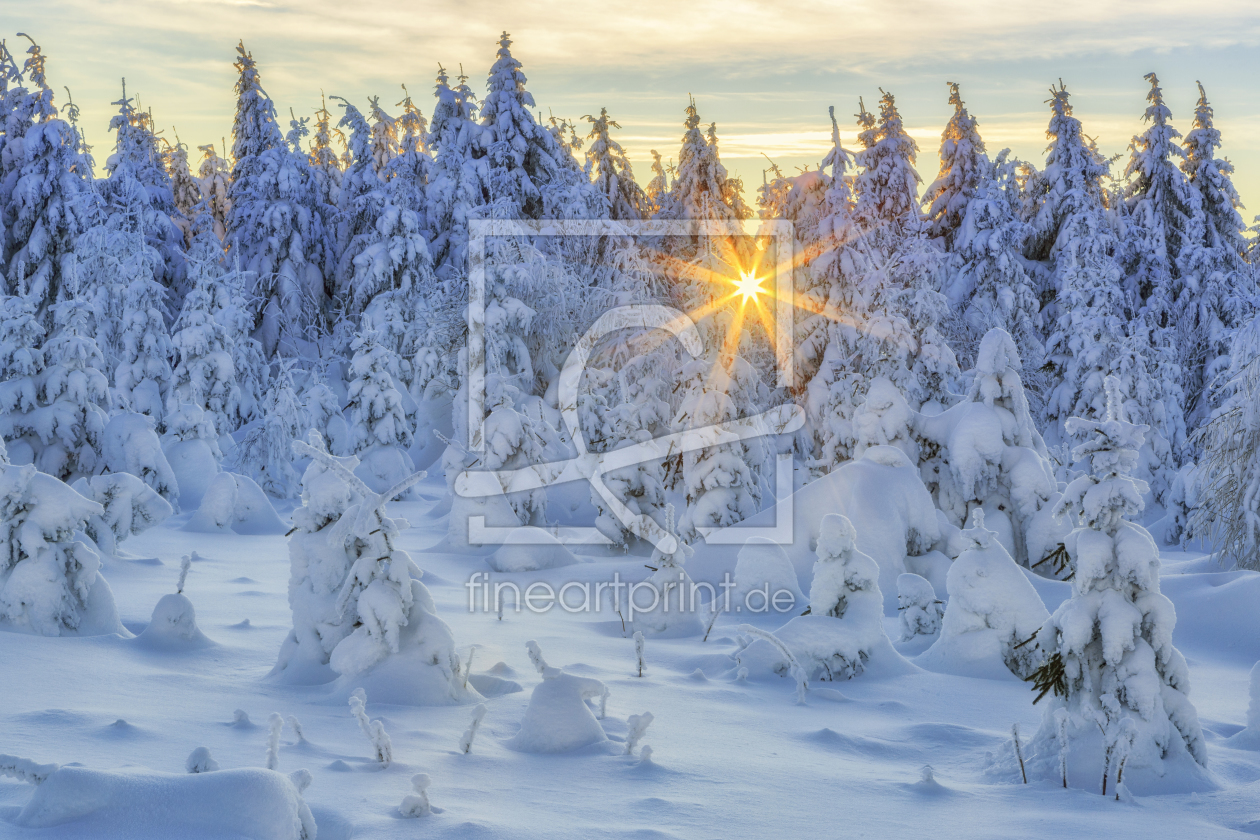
(1025, 397)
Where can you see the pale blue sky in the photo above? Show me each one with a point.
(766, 72)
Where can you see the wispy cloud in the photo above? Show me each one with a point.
(765, 70)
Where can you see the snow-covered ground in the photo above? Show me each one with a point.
(729, 757)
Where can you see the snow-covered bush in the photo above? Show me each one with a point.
(416, 803)
(200, 761)
(50, 582)
(844, 629)
(132, 446)
(992, 615)
(174, 625)
(919, 607)
(1108, 651)
(130, 507)
(558, 718)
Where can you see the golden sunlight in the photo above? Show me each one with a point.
(748, 285)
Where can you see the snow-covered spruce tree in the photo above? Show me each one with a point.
(397, 647)
(827, 338)
(657, 188)
(989, 284)
(215, 175)
(527, 165)
(963, 161)
(265, 454)
(324, 414)
(1108, 649)
(21, 367)
(897, 304)
(719, 482)
(273, 230)
(205, 375)
(142, 379)
(844, 628)
(409, 172)
(361, 202)
(1071, 182)
(1226, 297)
(49, 579)
(45, 192)
(701, 191)
(66, 428)
(319, 562)
(458, 185)
(1228, 510)
(150, 211)
(185, 187)
(1163, 215)
(386, 253)
(986, 452)
(888, 185)
(611, 171)
(379, 432)
(1093, 317)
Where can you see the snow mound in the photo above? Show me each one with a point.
(174, 625)
(558, 719)
(764, 567)
(530, 549)
(993, 609)
(140, 804)
(194, 466)
(234, 503)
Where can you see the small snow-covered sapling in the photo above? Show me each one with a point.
(240, 718)
(466, 742)
(636, 728)
(645, 755)
(275, 723)
(1019, 751)
(603, 703)
(374, 729)
(638, 649)
(200, 761)
(1061, 722)
(794, 667)
(184, 565)
(540, 664)
(417, 804)
(468, 664)
(296, 726)
(713, 617)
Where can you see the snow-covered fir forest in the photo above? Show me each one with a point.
(247, 591)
